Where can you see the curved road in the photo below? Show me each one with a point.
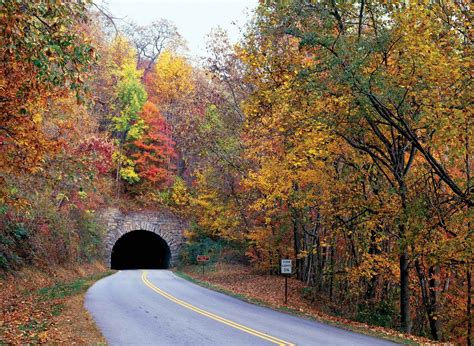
(134, 307)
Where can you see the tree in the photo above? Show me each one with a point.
(386, 80)
(151, 40)
(128, 125)
(153, 153)
(172, 80)
(171, 86)
(44, 55)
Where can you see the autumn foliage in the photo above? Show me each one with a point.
(338, 134)
(153, 153)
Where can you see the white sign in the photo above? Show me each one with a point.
(286, 266)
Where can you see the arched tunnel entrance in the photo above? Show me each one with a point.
(140, 250)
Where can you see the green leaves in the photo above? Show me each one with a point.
(129, 174)
(43, 35)
(132, 96)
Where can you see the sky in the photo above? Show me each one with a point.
(194, 18)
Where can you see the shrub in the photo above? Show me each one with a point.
(219, 249)
(202, 246)
(378, 313)
(47, 236)
(91, 234)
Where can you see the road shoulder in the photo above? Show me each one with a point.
(213, 280)
(41, 306)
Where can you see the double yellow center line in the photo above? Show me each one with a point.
(214, 316)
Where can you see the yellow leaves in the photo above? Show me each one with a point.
(43, 336)
(37, 118)
(189, 235)
(121, 53)
(273, 180)
(214, 215)
(302, 254)
(61, 196)
(129, 174)
(179, 193)
(425, 47)
(173, 78)
(372, 265)
(82, 194)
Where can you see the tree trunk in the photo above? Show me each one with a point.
(404, 291)
(372, 284)
(405, 322)
(470, 341)
(296, 245)
(433, 273)
(430, 296)
(469, 307)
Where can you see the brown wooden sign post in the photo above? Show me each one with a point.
(203, 259)
(286, 270)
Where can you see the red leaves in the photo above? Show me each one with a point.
(154, 151)
(98, 152)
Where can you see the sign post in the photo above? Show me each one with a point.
(286, 270)
(203, 259)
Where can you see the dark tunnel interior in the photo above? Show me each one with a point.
(140, 250)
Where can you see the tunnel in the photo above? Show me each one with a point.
(140, 250)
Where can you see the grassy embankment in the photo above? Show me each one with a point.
(48, 306)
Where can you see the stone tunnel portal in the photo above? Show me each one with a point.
(140, 250)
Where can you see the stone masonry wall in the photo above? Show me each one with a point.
(165, 224)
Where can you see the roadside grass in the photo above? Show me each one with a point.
(66, 289)
(41, 308)
(34, 329)
(55, 296)
(287, 309)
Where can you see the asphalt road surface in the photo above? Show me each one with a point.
(155, 307)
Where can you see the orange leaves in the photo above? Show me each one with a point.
(29, 79)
